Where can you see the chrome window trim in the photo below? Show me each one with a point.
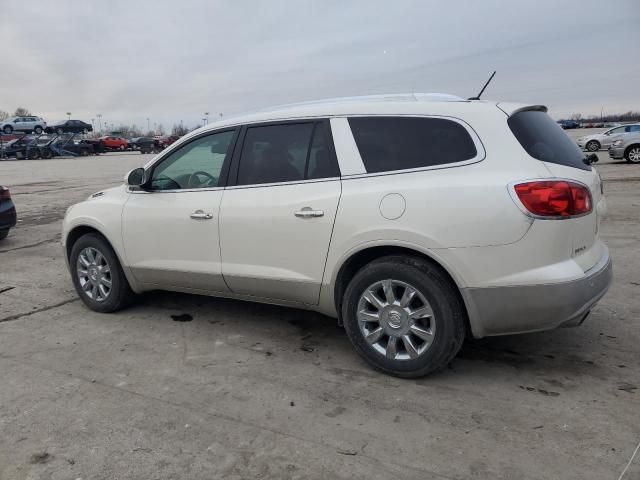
(280, 184)
(481, 153)
(514, 196)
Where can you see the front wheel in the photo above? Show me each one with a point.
(632, 155)
(593, 146)
(59, 131)
(4, 234)
(97, 275)
(7, 129)
(37, 130)
(404, 316)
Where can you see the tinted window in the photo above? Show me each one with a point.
(543, 139)
(285, 153)
(634, 128)
(195, 165)
(400, 143)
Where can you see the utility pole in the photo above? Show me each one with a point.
(93, 127)
(148, 128)
(99, 115)
(206, 118)
(68, 115)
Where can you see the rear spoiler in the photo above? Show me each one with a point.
(512, 108)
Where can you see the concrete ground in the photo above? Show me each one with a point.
(253, 391)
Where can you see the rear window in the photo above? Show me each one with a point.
(544, 140)
(400, 143)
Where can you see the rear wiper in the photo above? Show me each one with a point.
(590, 159)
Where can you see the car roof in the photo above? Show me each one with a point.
(386, 104)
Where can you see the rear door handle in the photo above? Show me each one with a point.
(308, 212)
(200, 215)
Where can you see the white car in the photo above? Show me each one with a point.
(604, 140)
(414, 219)
(25, 124)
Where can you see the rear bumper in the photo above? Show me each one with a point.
(616, 153)
(531, 308)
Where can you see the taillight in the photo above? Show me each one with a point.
(554, 198)
(5, 194)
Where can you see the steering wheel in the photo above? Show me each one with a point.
(194, 177)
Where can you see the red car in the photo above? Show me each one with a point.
(115, 143)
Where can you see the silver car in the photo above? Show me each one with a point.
(29, 123)
(627, 147)
(598, 141)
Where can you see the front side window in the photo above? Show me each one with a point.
(285, 153)
(195, 165)
(400, 143)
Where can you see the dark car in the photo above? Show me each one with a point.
(568, 124)
(66, 146)
(24, 147)
(97, 145)
(145, 145)
(70, 126)
(8, 215)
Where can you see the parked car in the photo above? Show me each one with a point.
(165, 141)
(114, 143)
(597, 141)
(25, 124)
(627, 147)
(568, 124)
(8, 215)
(413, 219)
(25, 147)
(96, 143)
(66, 145)
(70, 126)
(145, 145)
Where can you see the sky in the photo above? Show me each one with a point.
(170, 61)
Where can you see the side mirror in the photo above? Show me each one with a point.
(136, 177)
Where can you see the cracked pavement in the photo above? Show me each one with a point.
(255, 391)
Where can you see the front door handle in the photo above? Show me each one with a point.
(308, 212)
(200, 215)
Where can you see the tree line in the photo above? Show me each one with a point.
(630, 116)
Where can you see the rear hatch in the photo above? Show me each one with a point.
(544, 140)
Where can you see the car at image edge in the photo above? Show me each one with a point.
(414, 219)
(597, 141)
(8, 217)
(27, 124)
(627, 147)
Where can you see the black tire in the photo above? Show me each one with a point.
(37, 130)
(121, 294)
(448, 314)
(630, 155)
(4, 233)
(592, 146)
(7, 129)
(59, 131)
(46, 153)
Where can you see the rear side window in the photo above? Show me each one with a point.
(400, 143)
(285, 153)
(544, 140)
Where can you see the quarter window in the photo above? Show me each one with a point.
(195, 165)
(285, 153)
(401, 143)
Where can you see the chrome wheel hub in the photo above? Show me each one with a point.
(396, 320)
(94, 274)
(634, 155)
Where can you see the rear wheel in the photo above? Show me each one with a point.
(38, 130)
(59, 131)
(633, 154)
(593, 146)
(97, 275)
(404, 316)
(7, 129)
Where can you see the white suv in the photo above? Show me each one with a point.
(413, 219)
(23, 124)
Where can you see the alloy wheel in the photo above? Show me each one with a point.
(634, 155)
(94, 274)
(396, 320)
